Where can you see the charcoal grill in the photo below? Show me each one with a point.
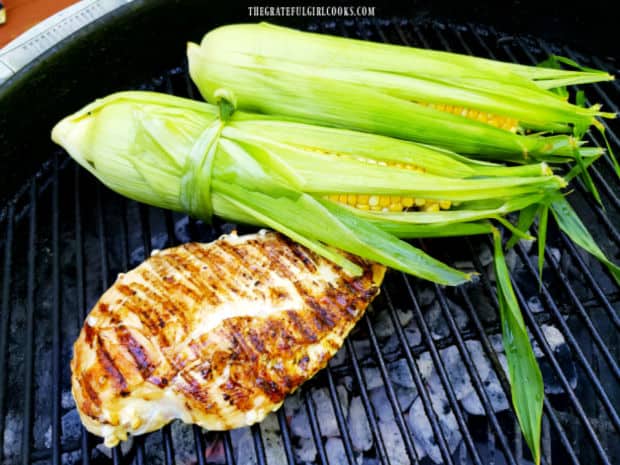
(420, 380)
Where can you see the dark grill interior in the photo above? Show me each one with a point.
(420, 380)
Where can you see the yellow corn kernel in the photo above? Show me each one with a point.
(431, 207)
(420, 202)
(373, 201)
(352, 199)
(445, 204)
(396, 207)
(408, 202)
(384, 200)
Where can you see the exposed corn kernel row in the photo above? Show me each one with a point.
(390, 203)
(502, 122)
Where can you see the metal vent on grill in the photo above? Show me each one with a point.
(420, 380)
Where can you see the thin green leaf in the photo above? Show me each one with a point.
(334, 225)
(551, 62)
(581, 127)
(585, 175)
(526, 219)
(578, 169)
(601, 129)
(416, 231)
(542, 241)
(526, 384)
(569, 222)
(567, 61)
(514, 230)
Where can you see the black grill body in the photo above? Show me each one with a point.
(421, 378)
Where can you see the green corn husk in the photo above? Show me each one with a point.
(378, 88)
(179, 154)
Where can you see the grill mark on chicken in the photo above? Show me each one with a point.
(303, 256)
(138, 353)
(91, 392)
(134, 304)
(168, 309)
(224, 275)
(188, 271)
(226, 331)
(248, 261)
(110, 368)
(167, 271)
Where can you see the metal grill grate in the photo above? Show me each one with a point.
(421, 378)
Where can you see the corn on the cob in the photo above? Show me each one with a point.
(179, 154)
(470, 105)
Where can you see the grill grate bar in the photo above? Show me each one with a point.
(80, 288)
(168, 446)
(398, 414)
(259, 448)
(410, 361)
(228, 449)
(117, 456)
(56, 370)
(199, 442)
(29, 336)
(314, 426)
(139, 448)
(101, 236)
(551, 416)
(5, 314)
(123, 234)
(361, 382)
(286, 437)
(340, 419)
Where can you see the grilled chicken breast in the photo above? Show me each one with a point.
(213, 334)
